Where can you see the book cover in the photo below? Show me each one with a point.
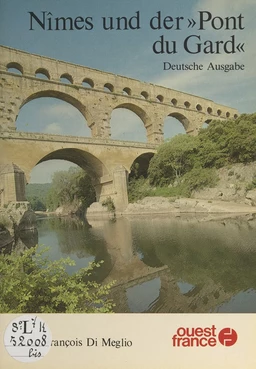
(101, 86)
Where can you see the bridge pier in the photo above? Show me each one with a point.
(120, 176)
(12, 184)
(114, 187)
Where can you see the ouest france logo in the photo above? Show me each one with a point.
(204, 337)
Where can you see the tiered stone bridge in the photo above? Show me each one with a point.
(95, 94)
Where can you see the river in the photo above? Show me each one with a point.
(163, 264)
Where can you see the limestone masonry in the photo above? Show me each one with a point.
(95, 94)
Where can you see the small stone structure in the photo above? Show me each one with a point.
(12, 183)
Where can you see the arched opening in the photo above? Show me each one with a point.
(14, 67)
(137, 180)
(219, 112)
(235, 116)
(174, 124)
(206, 123)
(64, 158)
(92, 165)
(144, 95)
(42, 73)
(127, 123)
(108, 87)
(174, 102)
(139, 167)
(127, 91)
(227, 114)
(187, 104)
(160, 98)
(209, 110)
(51, 115)
(199, 107)
(88, 83)
(66, 78)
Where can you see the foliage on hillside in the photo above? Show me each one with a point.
(72, 186)
(30, 283)
(36, 194)
(68, 187)
(186, 163)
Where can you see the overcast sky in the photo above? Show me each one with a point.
(129, 53)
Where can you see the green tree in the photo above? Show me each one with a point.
(30, 282)
(72, 186)
(36, 194)
(230, 141)
(37, 204)
(173, 159)
(191, 161)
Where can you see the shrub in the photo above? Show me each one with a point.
(252, 185)
(109, 203)
(30, 282)
(138, 189)
(199, 178)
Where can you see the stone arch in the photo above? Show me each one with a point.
(143, 161)
(88, 82)
(199, 107)
(187, 104)
(61, 96)
(174, 102)
(181, 118)
(227, 114)
(85, 160)
(67, 77)
(160, 98)
(14, 65)
(109, 87)
(145, 95)
(127, 91)
(206, 122)
(129, 122)
(42, 71)
(137, 110)
(209, 110)
(219, 112)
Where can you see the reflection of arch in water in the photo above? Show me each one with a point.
(76, 238)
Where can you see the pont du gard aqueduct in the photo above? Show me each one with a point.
(95, 94)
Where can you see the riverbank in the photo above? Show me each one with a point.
(165, 205)
(15, 219)
(154, 205)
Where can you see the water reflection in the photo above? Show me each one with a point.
(163, 264)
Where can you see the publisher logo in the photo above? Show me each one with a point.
(203, 337)
(227, 337)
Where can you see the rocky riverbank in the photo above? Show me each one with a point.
(14, 219)
(154, 205)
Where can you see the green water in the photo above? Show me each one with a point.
(163, 264)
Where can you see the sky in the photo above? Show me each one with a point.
(130, 53)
